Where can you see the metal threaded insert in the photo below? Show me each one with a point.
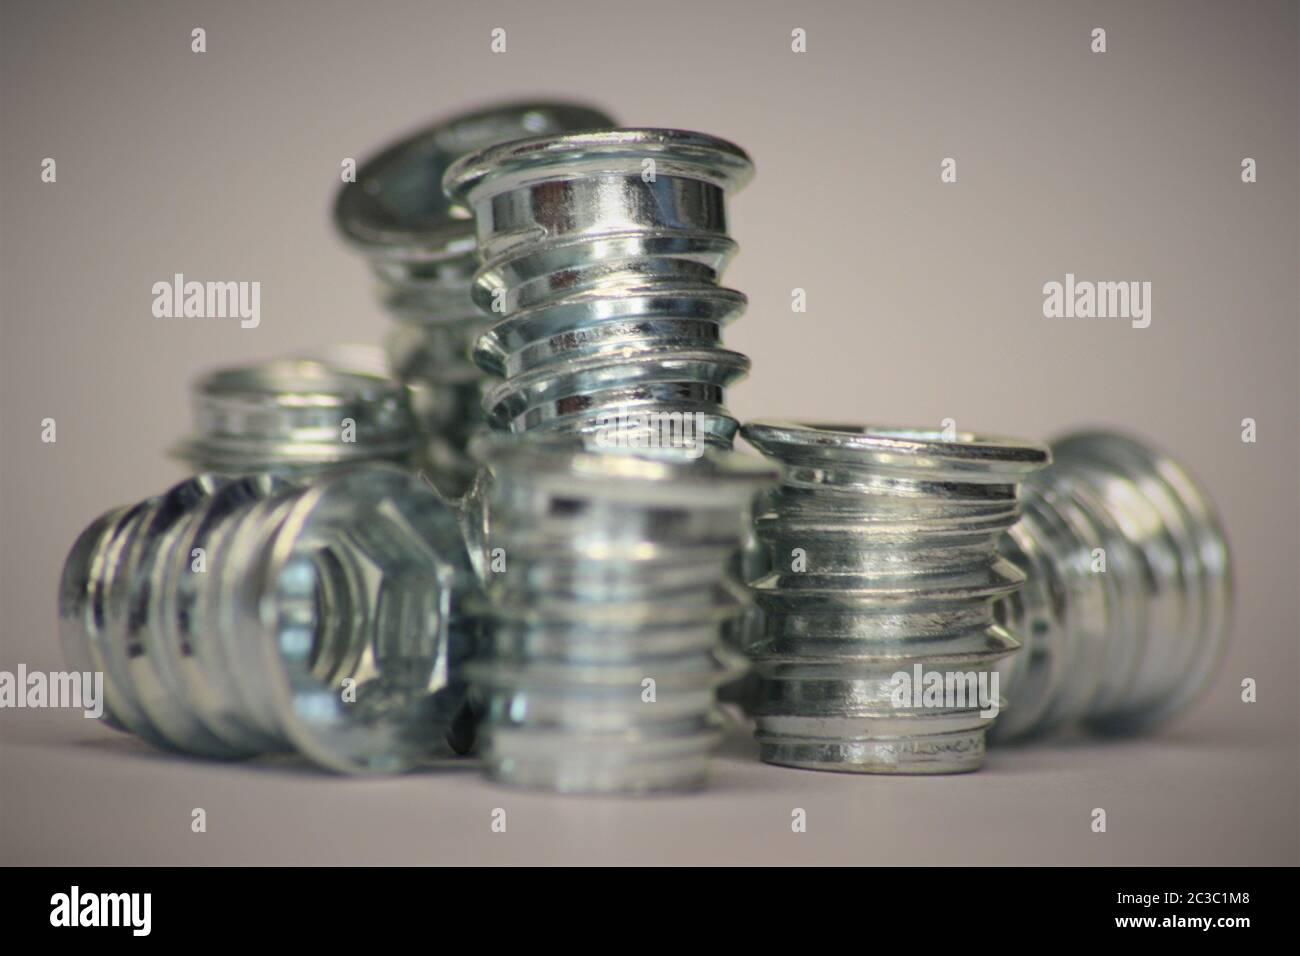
(602, 654)
(1126, 611)
(233, 617)
(291, 416)
(883, 549)
(602, 253)
(422, 251)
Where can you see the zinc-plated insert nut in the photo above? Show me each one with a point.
(602, 654)
(233, 617)
(602, 253)
(422, 251)
(1126, 611)
(898, 531)
(290, 417)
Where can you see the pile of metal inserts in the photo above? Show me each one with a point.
(523, 517)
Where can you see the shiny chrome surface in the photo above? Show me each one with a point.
(361, 577)
(286, 416)
(441, 458)
(602, 254)
(422, 251)
(614, 573)
(1123, 649)
(899, 531)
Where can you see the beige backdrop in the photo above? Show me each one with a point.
(924, 303)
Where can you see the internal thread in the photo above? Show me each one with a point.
(602, 254)
(233, 617)
(883, 550)
(1126, 611)
(298, 418)
(602, 654)
(422, 255)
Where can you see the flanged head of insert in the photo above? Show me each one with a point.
(298, 416)
(396, 208)
(618, 210)
(1170, 525)
(922, 453)
(362, 577)
(675, 153)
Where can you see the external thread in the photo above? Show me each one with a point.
(883, 550)
(602, 254)
(233, 617)
(607, 592)
(1126, 611)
